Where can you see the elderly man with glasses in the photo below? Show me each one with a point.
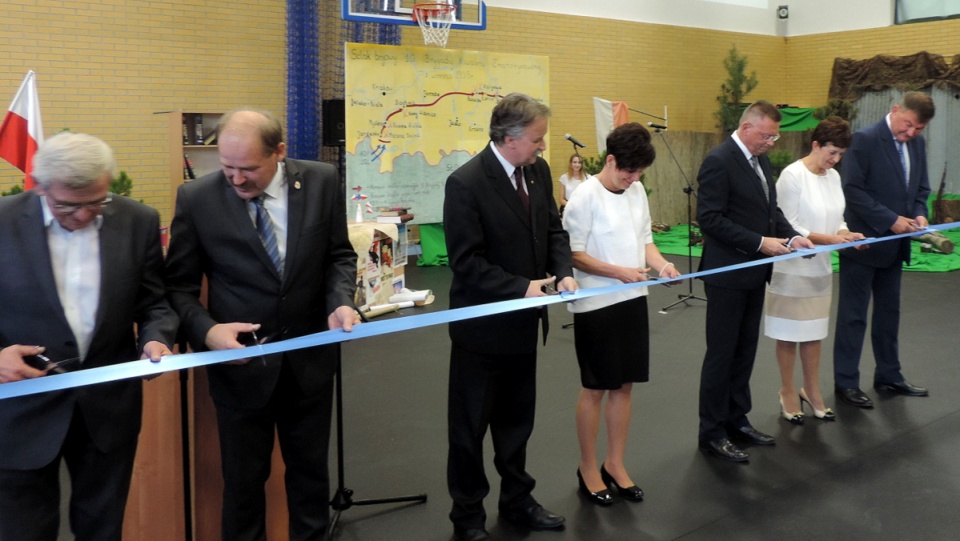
(82, 288)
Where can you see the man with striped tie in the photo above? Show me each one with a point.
(269, 233)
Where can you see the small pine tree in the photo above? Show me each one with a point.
(122, 185)
(734, 90)
(17, 188)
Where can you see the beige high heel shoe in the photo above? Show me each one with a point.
(795, 418)
(826, 415)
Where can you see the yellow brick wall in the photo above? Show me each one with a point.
(811, 57)
(106, 66)
(645, 65)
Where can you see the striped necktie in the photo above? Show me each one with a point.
(267, 234)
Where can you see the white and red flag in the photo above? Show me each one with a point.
(22, 131)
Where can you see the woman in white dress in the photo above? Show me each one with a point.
(608, 220)
(574, 177)
(798, 297)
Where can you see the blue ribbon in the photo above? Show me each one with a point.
(142, 368)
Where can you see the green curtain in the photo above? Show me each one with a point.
(797, 119)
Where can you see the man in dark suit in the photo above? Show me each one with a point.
(884, 174)
(270, 235)
(504, 239)
(83, 280)
(738, 215)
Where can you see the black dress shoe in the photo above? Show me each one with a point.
(904, 388)
(534, 517)
(632, 493)
(602, 498)
(748, 434)
(854, 397)
(470, 534)
(725, 449)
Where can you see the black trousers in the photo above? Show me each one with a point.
(733, 328)
(499, 392)
(302, 424)
(100, 484)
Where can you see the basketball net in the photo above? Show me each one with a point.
(434, 19)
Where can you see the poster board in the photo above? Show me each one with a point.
(413, 115)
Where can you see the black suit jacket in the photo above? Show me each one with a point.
(495, 248)
(877, 193)
(33, 428)
(734, 215)
(212, 235)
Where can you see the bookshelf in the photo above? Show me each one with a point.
(190, 134)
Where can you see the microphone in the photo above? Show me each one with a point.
(657, 126)
(573, 140)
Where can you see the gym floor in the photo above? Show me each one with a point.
(886, 473)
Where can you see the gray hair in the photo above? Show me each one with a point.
(75, 160)
(513, 114)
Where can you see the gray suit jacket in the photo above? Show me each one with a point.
(876, 191)
(33, 428)
(213, 236)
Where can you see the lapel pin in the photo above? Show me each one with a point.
(296, 184)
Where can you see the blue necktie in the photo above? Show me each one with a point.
(267, 234)
(903, 161)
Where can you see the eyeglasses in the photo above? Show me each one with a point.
(768, 138)
(64, 207)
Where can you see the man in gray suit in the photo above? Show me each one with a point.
(270, 235)
(885, 183)
(83, 283)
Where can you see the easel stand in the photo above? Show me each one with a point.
(343, 497)
(688, 189)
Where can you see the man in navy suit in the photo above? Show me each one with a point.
(83, 280)
(269, 233)
(738, 215)
(504, 238)
(884, 174)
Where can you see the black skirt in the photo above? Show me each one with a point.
(613, 345)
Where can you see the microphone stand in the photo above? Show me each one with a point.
(575, 151)
(688, 189)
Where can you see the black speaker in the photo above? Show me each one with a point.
(334, 123)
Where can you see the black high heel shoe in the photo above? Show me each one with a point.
(634, 493)
(602, 498)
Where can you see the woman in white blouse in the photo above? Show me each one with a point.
(798, 298)
(608, 221)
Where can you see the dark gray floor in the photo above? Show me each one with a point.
(888, 473)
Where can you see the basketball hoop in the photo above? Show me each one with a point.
(434, 19)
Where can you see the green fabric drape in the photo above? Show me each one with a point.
(797, 119)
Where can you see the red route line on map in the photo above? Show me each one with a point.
(431, 104)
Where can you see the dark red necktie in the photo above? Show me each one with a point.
(524, 198)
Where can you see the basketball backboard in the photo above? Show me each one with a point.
(470, 14)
